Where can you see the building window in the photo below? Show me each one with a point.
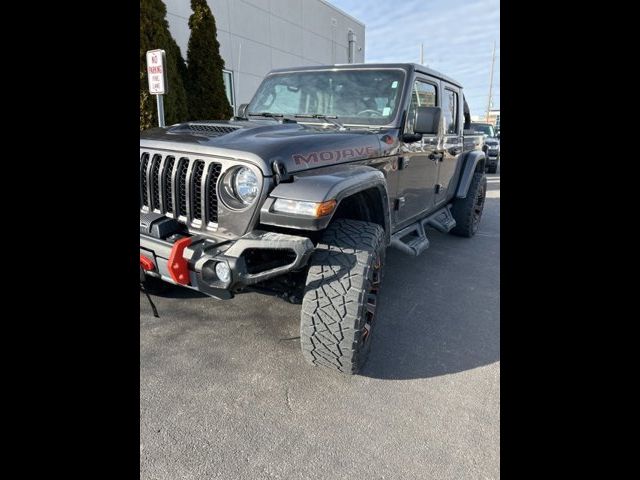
(227, 76)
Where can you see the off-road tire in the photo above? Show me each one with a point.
(341, 295)
(467, 211)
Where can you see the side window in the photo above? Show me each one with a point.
(422, 95)
(450, 111)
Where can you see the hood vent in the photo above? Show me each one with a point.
(203, 128)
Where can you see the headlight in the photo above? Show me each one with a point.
(245, 185)
(239, 187)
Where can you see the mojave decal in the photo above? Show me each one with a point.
(334, 155)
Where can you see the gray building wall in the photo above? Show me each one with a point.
(257, 36)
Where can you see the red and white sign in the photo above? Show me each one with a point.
(156, 72)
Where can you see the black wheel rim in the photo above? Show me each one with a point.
(478, 206)
(371, 302)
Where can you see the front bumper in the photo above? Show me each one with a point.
(493, 157)
(190, 260)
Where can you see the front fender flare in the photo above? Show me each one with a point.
(321, 185)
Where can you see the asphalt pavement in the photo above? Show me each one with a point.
(226, 394)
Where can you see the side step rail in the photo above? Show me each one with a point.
(413, 240)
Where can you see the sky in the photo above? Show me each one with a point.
(458, 38)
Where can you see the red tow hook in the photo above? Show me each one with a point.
(178, 266)
(146, 263)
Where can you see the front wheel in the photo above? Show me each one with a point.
(467, 211)
(341, 296)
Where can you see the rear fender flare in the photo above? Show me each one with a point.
(471, 161)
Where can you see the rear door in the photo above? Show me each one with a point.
(453, 142)
(417, 173)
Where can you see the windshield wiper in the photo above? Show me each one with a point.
(329, 118)
(286, 118)
(265, 114)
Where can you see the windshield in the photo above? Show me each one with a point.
(362, 97)
(483, 128)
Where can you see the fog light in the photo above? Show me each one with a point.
(223, 271)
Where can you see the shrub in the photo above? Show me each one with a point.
(154, 34)
(206, 96)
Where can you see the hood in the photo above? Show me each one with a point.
(298, 147)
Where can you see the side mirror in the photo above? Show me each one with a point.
(242, 110)
(498, 135)
(427, 120)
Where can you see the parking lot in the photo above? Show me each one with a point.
(225, 393)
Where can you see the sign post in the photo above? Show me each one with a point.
(157, 75)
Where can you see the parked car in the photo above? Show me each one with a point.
(491, 144)
(302, 193)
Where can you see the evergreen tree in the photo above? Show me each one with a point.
(206, 96)
(154, 34)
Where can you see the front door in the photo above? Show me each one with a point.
(417, 166)
(452, 147)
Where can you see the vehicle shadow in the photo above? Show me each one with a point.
(176, 292)
(439, 314)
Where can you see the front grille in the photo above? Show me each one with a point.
(196, 189)
(155, 182)
(144, 191)
(212, 193)
(180, 187)
(167, 185)
(181, 194)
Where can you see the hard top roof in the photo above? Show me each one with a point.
(405, 66)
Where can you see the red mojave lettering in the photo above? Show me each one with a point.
(333, 155)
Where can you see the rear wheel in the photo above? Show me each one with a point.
(467, 211)
(340, 302)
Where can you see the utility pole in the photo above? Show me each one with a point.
(493, 61)
(421, 53)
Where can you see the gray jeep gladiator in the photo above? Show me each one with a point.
(301, 193)
(491, 146)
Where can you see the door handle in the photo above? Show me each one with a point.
(435, 157)
(455, 151)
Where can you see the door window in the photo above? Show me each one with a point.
(450, 111)
(422, 95)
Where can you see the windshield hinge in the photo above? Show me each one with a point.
(280, 172)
